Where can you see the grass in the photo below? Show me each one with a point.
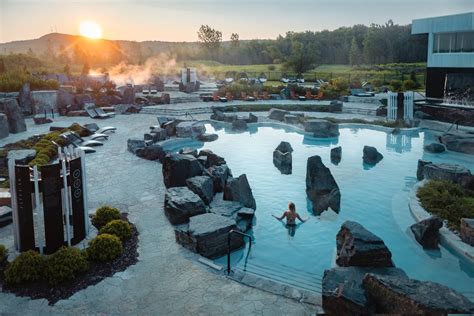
(448, 200)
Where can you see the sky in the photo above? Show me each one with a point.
(179, 20)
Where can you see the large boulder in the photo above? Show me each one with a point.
(435, 148)
(22, 156)
(16, 120)
(25, 100)
(4, 126)
(158, 133)
(219, 175)
(128, 95)
(239, 125)
(151, 152)
(463, 144)
(443, 171)
(291, 119)
(336, 155)
(202, 186)
(212, 158)
(356, 246)
(207, 137)
(178, 168)
(321, 128)
(371, 156)
(321, 187)
(467, 230)
(181, 204)
(235, 210)
(188, 151)
(282, 158)
(252, 118)
(343, 293)
(238, 189)
(189, 129)
(207, 235)
(134, 144)
(427, 232)
(277, 114)
(284, 147)
(170, 127)
(404, 296)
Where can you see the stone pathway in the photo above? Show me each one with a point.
(167, 280)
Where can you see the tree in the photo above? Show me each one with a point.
(210, 39)
(234, 38)
(2, 66)
(302, 57)
(85, 69)
(30, 52)
(67, 70)
(355, 54)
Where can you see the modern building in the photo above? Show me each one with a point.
(450, 67)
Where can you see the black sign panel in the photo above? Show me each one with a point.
(77, 200)
(24, 190)
(51, 185)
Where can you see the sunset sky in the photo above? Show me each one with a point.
(179, 20)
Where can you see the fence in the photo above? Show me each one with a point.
(393, 106)
(49, 206)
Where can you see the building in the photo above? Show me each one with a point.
(450, 67)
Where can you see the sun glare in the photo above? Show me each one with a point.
(90, 29)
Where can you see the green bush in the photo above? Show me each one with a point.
(119, 228)
(104, 247)
(396, 85)
(27, 267)
(409, 85)
(447, 200)
(3, 254)
(104, 215)
(65, 264)
(271, 67)
(377, 83)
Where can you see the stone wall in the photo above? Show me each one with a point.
(44, 98)
(449, 114)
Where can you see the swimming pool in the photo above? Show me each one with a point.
(376, 197)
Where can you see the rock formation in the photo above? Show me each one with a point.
(321, 187)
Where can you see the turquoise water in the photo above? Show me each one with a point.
(376, 197)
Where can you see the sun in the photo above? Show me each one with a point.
(90, 29)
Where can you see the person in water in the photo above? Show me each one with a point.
(290, 215)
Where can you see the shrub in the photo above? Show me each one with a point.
(376, 83)
(80, 130)
(119, 228)
(271, 67)
(104, 247)
(447, 200)
(396, 85)
(3, 254)
(65, 264)
(27, 267)
(409, 84)
(104, 215)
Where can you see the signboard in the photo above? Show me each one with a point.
(24, 191)
(77, 200)
(51, 185)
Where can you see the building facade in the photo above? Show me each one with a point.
(450, 66)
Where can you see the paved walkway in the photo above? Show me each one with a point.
(167, 280)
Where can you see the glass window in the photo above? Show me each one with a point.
(465, 42)
(453, 42)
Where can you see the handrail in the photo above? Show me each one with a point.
(188, 114)
(229, 236)
(457, 125)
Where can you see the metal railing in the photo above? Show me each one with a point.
(229, 236)
(456, 122)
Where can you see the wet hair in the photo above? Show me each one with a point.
(291, 206)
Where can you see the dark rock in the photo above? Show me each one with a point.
(239, 125)
(6, 216)
(252, 118)
(189, 151)
(219, 175)
(435, 148)
(427, 232)
(64, 99)
(159, 134)
(4, 127)
(181, 204)
(336, 155)
(151, 152)
(238, 189)
(343, 293)
(335, 106)
(202, 186)
(81, 100)
(356, 246)
(218, 115)
(22, 156)
(381, 111)
(165, 98)
(371, 156)
(178, 168)
(282, 158)
(24, 99)
(170, 127)
(190, 129)
(128, 95)
(212, 158)
(40, 120)
(134, 144)
(321, 128)
(127, 108)
(202, 160)
(420, 169)
(467, 230)
(291, 119)
(226, 208)
(462, 144)
(277, 114)
(404, 296)
(162, 120)
(422, 115)
(321, 187)
(284, 147)
(16, 120)
(452, 172)
(207, 235)
(206, 137)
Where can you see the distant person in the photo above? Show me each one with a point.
(290, 215)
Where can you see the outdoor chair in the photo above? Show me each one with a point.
(106, 129)
(100, 111)
(309, 95)
(72, 137)
(255, 95)
(293, 95)
(87, 150)
(93, 114)
(146, 91)
(266, 96)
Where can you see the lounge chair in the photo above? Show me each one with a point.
(87, 150)
(72, 137)
(106, 129)
(101, 112)
(145, 91)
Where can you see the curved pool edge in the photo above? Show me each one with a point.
(447, 238)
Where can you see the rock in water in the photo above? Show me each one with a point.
(239, 125)
(202, 186)
(427, 232)
(371, 155)
(467, 230)
(207, 235)
(134, 144)
(321, 187)
(343, 293)
(16, 120)
(238, 189)
(4, 127)
(459, 143)
(188, 151)
(212, 158)
(435, 148)
(277, 114)
(190, 129)
(219, 175)
(284, 147)
(252, 118)
(282, 158)
(356, 246)
(178, 168)
(321, 128)
(24, 99)
(151, 152)
(181, 204)
(336, 155)
(207, 137)
(420, 169)
(404, 296)
(443, 171)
